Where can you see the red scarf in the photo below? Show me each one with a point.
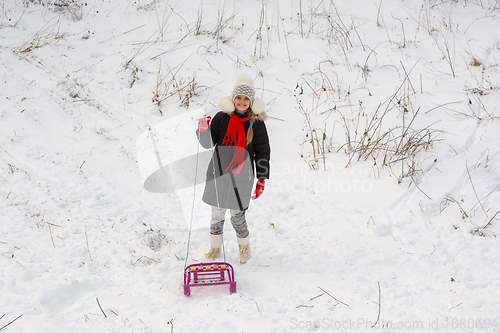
(235, 136)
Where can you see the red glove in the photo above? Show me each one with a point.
(203, 123)
(259, 188)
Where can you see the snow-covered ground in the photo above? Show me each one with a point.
(340, 243)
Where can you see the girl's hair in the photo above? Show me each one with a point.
(251, 118)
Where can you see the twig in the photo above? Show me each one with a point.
(286, 40)
(489, 222)
(15, 24)
(475, 193)
(52, 238)
(415, 182)
(171, 323)
(317, 296)
(378, 317)
(2, 328)
(378, 13)
(441, 105)
(97, 299)
(124, 33)
(370, 219)
(485, 196)
(403, 29)
(86, 237)
(458, 203)
(332, 296)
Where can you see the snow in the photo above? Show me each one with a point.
(340, 244)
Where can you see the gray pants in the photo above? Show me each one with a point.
(237, 220)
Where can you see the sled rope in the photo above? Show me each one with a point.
(194, 196)
(216, 192)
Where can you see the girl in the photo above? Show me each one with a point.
(241, 152)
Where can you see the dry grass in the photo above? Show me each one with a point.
(72, 8)
(171, 85)
(134, 72)
(474, 214)
(47, 35)
(397, 145)
(217, 30)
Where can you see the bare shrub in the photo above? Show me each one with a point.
(134, 70)
(45, 36)
(217, 30)
(323, 93)
(475, 62)
(477, 106)
(473, 212)
(170, 84)
(318, 139)
(145, 5)
(396, 145)
(71, 7)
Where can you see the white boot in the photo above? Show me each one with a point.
(215, 247)
(244, 254)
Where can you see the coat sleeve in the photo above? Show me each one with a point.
(205, 139)
(262, 151)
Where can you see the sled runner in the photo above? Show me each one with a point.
(208, 274)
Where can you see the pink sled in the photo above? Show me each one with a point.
(208, 274)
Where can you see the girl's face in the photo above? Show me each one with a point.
(242, 103)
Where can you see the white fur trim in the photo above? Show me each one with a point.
(244, 241)
(258, 106)
(227, 105)
(216, 241)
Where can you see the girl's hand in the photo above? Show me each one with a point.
(203, 123)
(259, 188)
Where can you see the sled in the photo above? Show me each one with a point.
(208, 274)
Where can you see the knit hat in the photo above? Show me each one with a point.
(244, 86)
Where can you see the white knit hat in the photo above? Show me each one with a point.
(244, 86)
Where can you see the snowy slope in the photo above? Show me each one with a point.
(342, 243)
